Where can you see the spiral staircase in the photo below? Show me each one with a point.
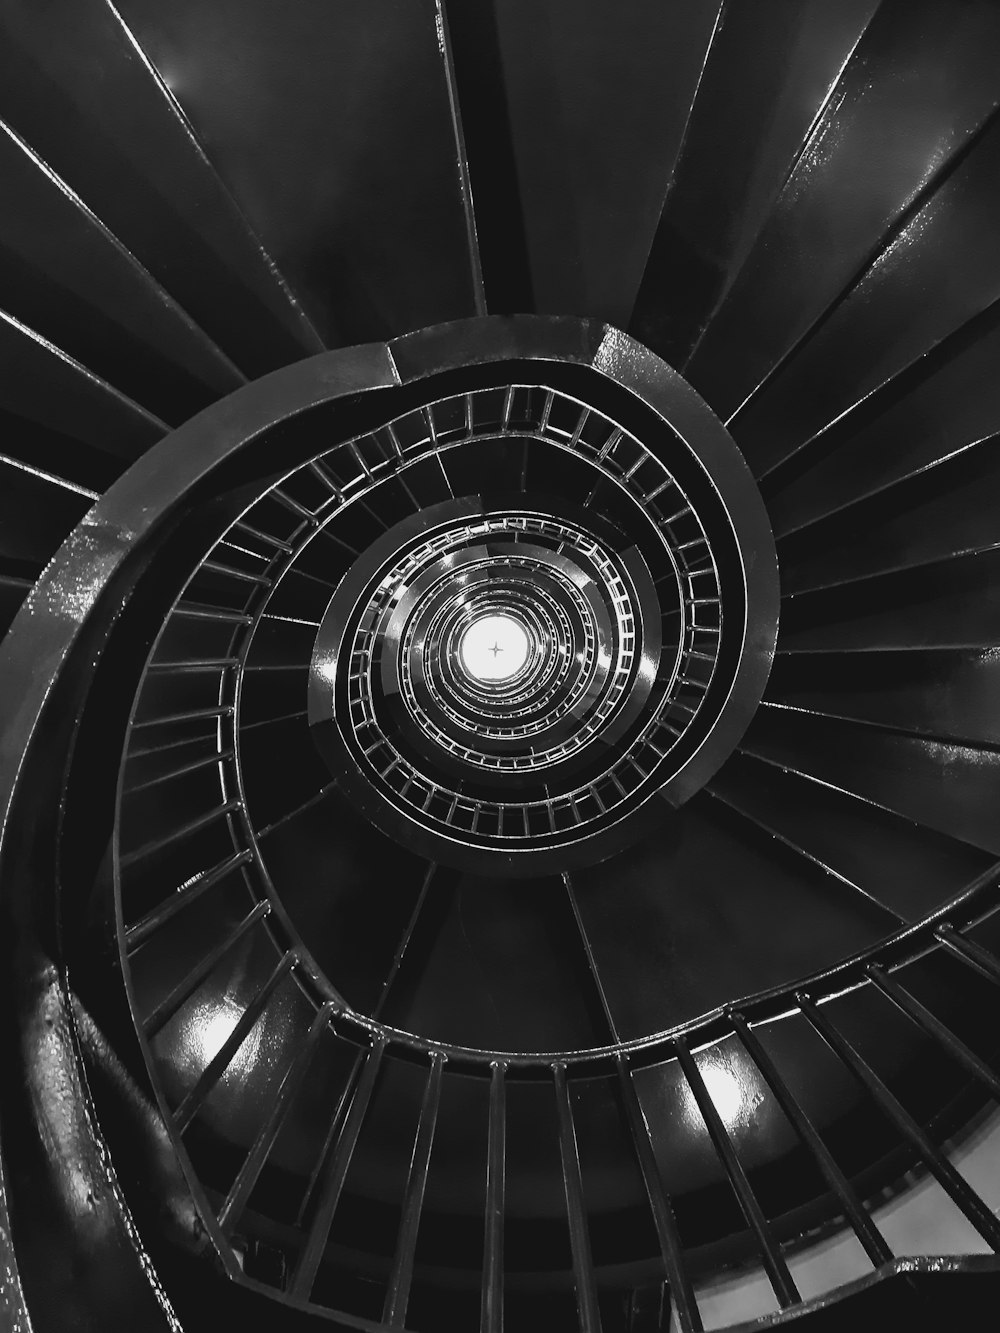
(500, 573)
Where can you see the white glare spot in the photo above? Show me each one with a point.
(209, 1029)
(735, 1091)
(725, 1091)
(494, 648)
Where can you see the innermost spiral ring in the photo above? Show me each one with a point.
(494, 647)
(525, 675)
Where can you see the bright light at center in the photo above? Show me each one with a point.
(494, 648)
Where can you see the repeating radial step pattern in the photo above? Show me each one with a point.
(797, 208)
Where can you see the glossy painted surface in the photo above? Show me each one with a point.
(945, 511)
(767, 72)
(78, 404)
(947, 399)
(69, 279)
(894, 862)
(144, 174)
(953, 603)
(344, 164)
(593, 128)
(651, 916)
(62, 1193)
(939, 271)
(916, 89)
(12, 1304)
(945, 786)
(948, 694)
(801, 199)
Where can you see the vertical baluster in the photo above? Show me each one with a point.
(682, 1291)
(491, 1316)
(588, 953)
(187, 986)
(305, 805)
(576, 1209)
(178, 834)
(774, 1263)
(404, 943)
(148, 925)
(868, 1234)
(220, 1062)
(277, 1113)
(936, 1030)
(293, 506)
(649, 1309)
(972, 954)
(398, 1295)
(175, 719)
(336, 1173)
(266, 537)
(180, 771)
(462, 159)
(981, 1217)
